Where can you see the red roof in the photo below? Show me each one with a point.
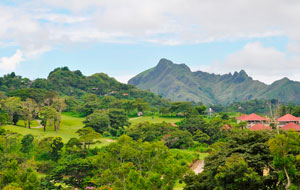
(241, 117)
(288, 117)
(225, 127)
(173, 124)
(253, 117)
(259, 127)
(293, 126)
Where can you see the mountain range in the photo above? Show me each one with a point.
(178, 83)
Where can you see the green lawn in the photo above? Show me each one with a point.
(156, 119)
(68, 128)
(70, 124)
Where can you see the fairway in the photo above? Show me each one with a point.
(155, 119)
(68, 128)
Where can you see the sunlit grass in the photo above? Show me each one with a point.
(154, 119)
(68, 128)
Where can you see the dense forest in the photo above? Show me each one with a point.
(70, 131)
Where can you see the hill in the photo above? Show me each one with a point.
(178, 83)
(74, 83)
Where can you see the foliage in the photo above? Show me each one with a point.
(99, 121)
(47, 114)
(27, 143)
(118, 120)
(237, 175)
(285, 149)
(149, 131)
(134, 165)
(178, 139)
(87, 136)
(251, 148)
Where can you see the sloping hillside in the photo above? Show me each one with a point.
(179, 83)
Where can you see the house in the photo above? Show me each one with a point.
(291, 126)
(173, 124)
(226, 127)
(259, 127)
(253, 119)
(239, 119)
(286, 119)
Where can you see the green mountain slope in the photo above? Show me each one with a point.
(179, 83)
(74, 83)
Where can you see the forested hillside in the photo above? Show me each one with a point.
(179, 83)
(75, 84)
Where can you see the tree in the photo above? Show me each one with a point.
(78, 169)
(252, 146)
(201, 109)
(178, 139)
(87, 136)
(140, 105)
(201, 137)
(27, 143)
(13, 107)
(129, 164)
(47, 114)
(99, 121)
(4, 118)
(59, 105)
(149, 131)
(236, 174)
(9, 173)
(211, 127)
(285, 148)
(181, 107)
(118, 119)
(56, 146)
(30, 110)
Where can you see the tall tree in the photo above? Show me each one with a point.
(59, 105)
(88, 136)
(12, 105)
(47, 114)
(30, 110)
(285, 148)
(99, 121)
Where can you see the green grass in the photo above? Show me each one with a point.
(68, 128)
(179, 186)
(155, 120)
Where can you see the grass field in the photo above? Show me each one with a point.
(154, 120)
(69, 126)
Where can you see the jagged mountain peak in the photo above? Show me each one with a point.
(178, 83)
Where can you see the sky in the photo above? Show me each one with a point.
(123, 38)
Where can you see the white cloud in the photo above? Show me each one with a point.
(262, 63)
(8, 64)
(37, 26)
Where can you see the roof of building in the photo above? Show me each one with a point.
(253, 117)
(293, 126)
(241, 117)
(225, 127)
(288, 117)
(173, 124)
(258, 127)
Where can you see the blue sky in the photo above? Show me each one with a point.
(124, 39)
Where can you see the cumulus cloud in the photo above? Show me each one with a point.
(262, 63)
(8, 64)
(37, 26)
